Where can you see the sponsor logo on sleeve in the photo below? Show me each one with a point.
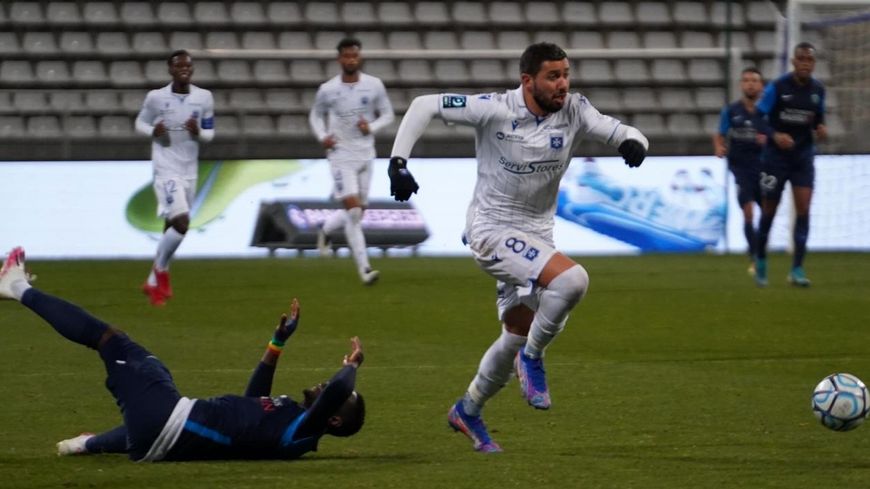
(453, 101)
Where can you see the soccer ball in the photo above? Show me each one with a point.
(840, 402)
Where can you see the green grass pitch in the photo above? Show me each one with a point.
(674, 372)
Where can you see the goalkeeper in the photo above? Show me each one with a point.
(161, 424)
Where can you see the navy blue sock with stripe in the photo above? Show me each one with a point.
(112, 441)
(801, 234)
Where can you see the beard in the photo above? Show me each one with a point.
(548, 104)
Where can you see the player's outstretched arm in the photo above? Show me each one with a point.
(339, 388)
(261, 380)
(422, 110)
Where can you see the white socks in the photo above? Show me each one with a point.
(557, 300)
(169, 242)
(355, 239)
(18, 288)
(494, 371)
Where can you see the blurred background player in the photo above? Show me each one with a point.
(742, 135)
(348, 110)
(524, 142)
(795, 107)
(176, 117)
(161, 424)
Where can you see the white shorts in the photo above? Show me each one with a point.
(510, 256)
(174, 196)
(510, 296)
(351, 179)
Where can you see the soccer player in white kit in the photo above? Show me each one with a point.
(348, 110)
(524, 142)
(177, 118)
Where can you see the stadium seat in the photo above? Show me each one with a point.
(399, 101)
(245, 100)
(542, 13)
(710, 99)
(307, 70)
(761, 14)
(185, 40)
(321, 13)
(659, 40)
(76, 42)
(9, 43)
(739, 39)
(586, 40)
(431, 13)
(579, 14)
(295, 125)
(125, 73)
(558, 38)
(682, 125)
(80, 126)
(174, 14)
(415, 71)
(306, 97)
(52, 72)
(26, 13)
(29, 101)
(15, 71)
(653, 14)
(719, 18)
(696, 39)
(676, 100)
(477, 40)
(131, 100)
(705, 70)
(764, 42)
(221, 40)
(516, 40)
(100, 14)
(234, 71)
(113, 43)
(63, 14)
(39, 42)
(606, 100)
(640, 99)
(156, 72)
(152, 43)
(770, 69)
(623, 40)
(42, 126)
(371, 40)
(65, 100)
(652, 125)
(506, 14)
(247, 14)
(257, 40)
(404, 40)
(440, 40)
(822, 70)
(358, 13)
(12, 126)
(226, 127)
(271, 71)
(257, 125)
(116, 126)
(489, 71)
(690, 14)
(101, 101)
(327, 39)
(594, 71)
(391, 14)
(668, 71)
(6, 103)
(470, 14)
(451, 72)
(631, 71)
(615, 14)
(710, 123)
(137, 14)
(210, 14)
(383, 69)
(294, 40)
(283, 100)
(284, 14)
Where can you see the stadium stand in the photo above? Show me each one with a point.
(76, 71)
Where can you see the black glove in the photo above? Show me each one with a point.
(632, 152)
(402, 183)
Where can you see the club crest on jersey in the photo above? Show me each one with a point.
(364, 101)
(556, 142)
(815, 98)
(453, 101)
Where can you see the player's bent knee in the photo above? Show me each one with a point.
(355, 215)
(571, 284)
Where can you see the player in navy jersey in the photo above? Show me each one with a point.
(795, 107)
(161, 424)
(741, 137)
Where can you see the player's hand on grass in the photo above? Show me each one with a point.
(355, 357)
(632, 152)
(783, 140)
(287, 325)
(402, 183)
(159, 130)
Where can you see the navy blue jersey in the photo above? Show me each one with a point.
(741, 128)
(239, 427)
(794, 109)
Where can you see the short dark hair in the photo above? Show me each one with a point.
(752, 69)
(803, 45)
(348, 42)
(536, 54)
(177, 52)
(353, 416)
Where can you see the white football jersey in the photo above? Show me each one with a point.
(522, 157)
(177, 154)
(339, 106)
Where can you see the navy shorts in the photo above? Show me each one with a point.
(143, 389)
(748, 182)
(779, 167)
